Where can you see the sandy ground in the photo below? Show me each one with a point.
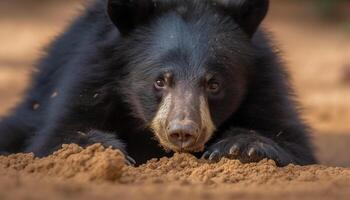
(317, 54)
(96, 173)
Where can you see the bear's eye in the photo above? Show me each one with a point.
(160, 84)
(213, 87)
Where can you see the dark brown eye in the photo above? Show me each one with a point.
(213, 87)
(160, 84)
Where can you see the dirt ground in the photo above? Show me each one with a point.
(96, 173)
(317, 53)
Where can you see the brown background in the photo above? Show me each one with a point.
(316, 51)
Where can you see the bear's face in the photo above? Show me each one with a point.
(187, 69)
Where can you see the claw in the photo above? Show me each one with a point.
(214, 156)
(234, 151)
(130, 161)
(206, 155)
(252, 152)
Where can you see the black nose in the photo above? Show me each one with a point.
(182, 134)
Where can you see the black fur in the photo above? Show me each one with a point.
(95, 84)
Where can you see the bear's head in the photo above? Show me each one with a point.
(187, 63)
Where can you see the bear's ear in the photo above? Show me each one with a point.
(247, 13)
(128, 14)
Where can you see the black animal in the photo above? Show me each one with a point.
(153, 76)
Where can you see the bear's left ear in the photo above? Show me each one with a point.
(128, 14)
(247, 13)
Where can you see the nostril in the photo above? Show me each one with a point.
(182, 135)
(176, 136)
(187, 136)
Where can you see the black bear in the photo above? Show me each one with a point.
(151, 77)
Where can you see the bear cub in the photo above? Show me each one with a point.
(151, 77)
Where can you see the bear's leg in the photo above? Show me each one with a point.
(107, 140)
(14, 133)
(251, 146)
(45, 144)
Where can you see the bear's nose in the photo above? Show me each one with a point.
(182, 135)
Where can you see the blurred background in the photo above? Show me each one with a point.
(313, 35)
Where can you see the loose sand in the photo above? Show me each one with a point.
(97, 172)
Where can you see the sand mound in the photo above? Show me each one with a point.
(71, 162)
(184, 168)
(97, 172)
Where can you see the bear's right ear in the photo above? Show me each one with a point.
(247, 13)
(128, 14)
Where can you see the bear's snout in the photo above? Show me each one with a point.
(183, 122)
(183, 134)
